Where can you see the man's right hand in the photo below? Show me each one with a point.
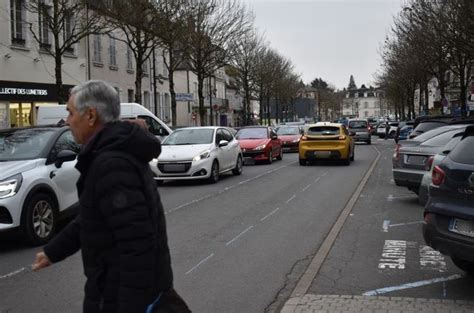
(41, 261)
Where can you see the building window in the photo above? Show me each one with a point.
(366, 105)
(97, 49)
(146, 99)
(17, 18)
(43, 21)
(145, 67)
(129, 59)
(130, 95)
(112, 52)
(68, 28)
(366, 114)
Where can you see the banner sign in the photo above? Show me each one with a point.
(29, 92)
(184, 97)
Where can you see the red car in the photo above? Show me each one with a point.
(260, 143)
(290, 137)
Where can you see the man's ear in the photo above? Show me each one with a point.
(92, 116)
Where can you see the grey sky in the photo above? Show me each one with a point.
(331, 39)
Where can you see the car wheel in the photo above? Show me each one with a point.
(302, 162)
(270, 157)
(214, 178)
(280, 156)
(347, 161)
(466, 266)
(238, 166)
(353, 156)
(369, 142)
(38, 222)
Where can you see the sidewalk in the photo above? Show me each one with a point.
(351, 304)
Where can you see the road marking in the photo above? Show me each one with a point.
(317, 179)
(269, 214)
(432, 260)
(304, 189)
(13, 273)
(392, 197)
(385, 225)
(225, 189)
(404, 224)
(236, 237)
(412, 285)
(310, 273)
(324, 174)
(292, 197)
(200, 263)
(393, 255)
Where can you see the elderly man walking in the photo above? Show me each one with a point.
(120, 228)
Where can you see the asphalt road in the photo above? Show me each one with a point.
(237, 246)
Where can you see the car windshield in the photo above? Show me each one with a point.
(252, 133)
(323, 131)
(190, 136)
(441, 139)
(432, 133)
(424, 127)
(23, 144)
(464, 151)
(357, 124)
(288, 131)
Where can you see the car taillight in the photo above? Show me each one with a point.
(342, 137)
(437, 177)
(429, 163)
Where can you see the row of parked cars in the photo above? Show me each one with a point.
(437, 163)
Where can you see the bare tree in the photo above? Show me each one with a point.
(213, 27)
(68, 21)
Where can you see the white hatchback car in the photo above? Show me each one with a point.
(198, 153)
(37, 180)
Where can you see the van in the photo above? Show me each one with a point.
(47, 115)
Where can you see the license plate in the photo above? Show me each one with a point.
(174, 167)
(286, 149)
(416, 159)
(322, 154)
(462, 227)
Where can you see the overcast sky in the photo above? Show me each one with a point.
(331, 39)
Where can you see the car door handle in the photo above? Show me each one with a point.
(52, 174)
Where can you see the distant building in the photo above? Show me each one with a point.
(364, 103)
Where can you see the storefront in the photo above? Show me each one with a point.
(19, 101)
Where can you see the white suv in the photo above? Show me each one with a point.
(37, 180)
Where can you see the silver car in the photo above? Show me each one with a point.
(361, 128)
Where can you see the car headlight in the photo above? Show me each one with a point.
(202, 155)
(261, 147)
(296, 140)
(9, 187)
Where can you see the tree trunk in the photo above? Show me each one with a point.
(62, 98)
(202, 109)
(268, 111)
(172, 92)
(138, 81)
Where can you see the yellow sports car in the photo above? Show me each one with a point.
(326, 141)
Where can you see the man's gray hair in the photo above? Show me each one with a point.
(99, 95)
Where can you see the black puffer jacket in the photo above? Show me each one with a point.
(121, 226)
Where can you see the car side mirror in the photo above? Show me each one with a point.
(223, 143)
(64, 156)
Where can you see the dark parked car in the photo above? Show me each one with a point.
(410, 162)
(449, 213)
(408, 125)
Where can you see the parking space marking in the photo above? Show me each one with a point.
(385, 225)
(432, 260)
(317, 179)
(292, 197)
(392, 197)
(304, 189)
(238, 236)
(412, 285)
(405, 224)
(200, 263)
(393, 255)
(269, 214)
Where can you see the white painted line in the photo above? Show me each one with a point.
(432, 260)
(200, 263)
(13, 273)
(236, 237)
(292, 197)
(385, 225)
(304, 189)
(269, 214)
(317, 179)
(324, 174)
(393, 255)
(412, 285)
(392, 197)
(244, 181)
(404, 224)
